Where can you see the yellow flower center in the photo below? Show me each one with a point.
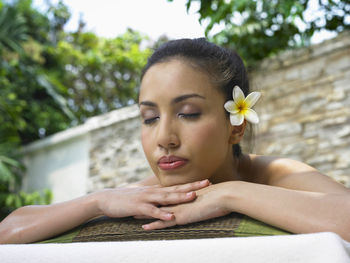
(242, 107)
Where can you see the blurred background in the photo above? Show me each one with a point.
(69, 76)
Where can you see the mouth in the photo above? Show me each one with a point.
(171, 162)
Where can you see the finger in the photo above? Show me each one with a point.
(168, 198)
(189, 187)
(155, 212)
(159, 225)
(143, 217)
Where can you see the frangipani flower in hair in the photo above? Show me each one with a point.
(240, 107)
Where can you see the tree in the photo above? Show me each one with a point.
(51, 80)
(29, 103)
(12, 29)
(98, 74)
(13, 32)
(257, 28)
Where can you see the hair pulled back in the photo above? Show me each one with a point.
(224, 67)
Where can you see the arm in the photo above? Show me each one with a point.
(299, 199)
(33, 223)
(293, 210)
(290, 174)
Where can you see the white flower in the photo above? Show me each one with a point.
(240, 107)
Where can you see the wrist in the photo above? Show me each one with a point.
(95, 201)
(232, 197)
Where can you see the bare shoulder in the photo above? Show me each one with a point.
(287, 173)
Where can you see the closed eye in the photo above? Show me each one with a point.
(150, 120)
(189, 115)
(180, 115)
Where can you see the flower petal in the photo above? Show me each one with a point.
(252, 116)
(236, 119)
(237, 94)
(230, 106)
(252, 98)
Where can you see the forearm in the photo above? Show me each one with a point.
(295, 211)
(33, 223)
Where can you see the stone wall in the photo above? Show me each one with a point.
(116, 155)
(305, 107)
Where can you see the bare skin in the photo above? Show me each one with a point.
(34, 223)
(282, 192)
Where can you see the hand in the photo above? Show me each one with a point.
(145, 201)
(210, 203)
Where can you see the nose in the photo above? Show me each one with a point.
(167, 136)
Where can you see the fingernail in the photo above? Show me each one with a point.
(145, 227)
(169, 215)
(204, 181)
(189, 194)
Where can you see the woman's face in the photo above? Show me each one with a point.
(185, 132)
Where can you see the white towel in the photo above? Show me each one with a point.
(319, 247)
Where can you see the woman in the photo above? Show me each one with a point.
(194, 115)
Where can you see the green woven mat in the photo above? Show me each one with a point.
(127, 229)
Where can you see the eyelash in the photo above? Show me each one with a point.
(181, 115)
(149, 121)
(189, 115)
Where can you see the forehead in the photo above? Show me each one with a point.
(175, 78)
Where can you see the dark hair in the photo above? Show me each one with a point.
(224, 66)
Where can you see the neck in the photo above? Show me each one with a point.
(228, 171)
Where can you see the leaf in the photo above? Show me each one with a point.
(10, 200)
(17, 201)
(258, 29)
(9, 161)
(13, 29)
(61, 101)
(5, 174)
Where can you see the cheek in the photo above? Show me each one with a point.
(208, 134)
(208, 147)
(146, 141)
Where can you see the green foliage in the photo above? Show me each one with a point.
(51, 80)
(12, 29)
(59, 79)
(98, 74)
(13, 32)
(28, 103)
(257, 29)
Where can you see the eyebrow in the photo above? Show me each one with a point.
(175, 100)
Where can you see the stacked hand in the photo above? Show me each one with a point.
(210, 203)
(147, 201)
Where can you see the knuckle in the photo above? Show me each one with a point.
(165, 195)
(176, 188)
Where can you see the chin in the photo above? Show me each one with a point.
(170, 180)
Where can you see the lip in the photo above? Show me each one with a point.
(171, 162)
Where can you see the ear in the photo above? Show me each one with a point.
(237, 133)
